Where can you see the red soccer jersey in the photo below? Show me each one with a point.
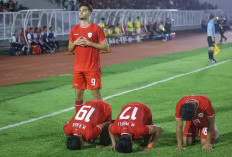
(133, 119)
(87, 58)
(204, 109)
(85, 121)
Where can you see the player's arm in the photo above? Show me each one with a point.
(113, 141)
(207, 146)
(100, 46)
(179, 134)
(155, 132)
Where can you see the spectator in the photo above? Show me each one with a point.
(138, 29)
(162, 30)
(16, 43)
(52, 41)
(167, 27)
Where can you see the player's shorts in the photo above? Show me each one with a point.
(191, 130)
(211, 43)
(84, 79)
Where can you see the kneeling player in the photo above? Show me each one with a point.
(134, 121)
(88, 123)
(198, 113)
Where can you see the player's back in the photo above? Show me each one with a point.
(91, 114)
(136, 112)
(133, 119)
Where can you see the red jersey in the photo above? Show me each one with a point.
(133, 119)
(85, 121)
(87, 58)
(204, 109)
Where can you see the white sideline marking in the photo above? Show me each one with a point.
(115, 95)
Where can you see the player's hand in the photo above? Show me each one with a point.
(145, 149)
(99, 146)
(207, 147)
(180, 148)
(86, 42)
(112, 148)
(79, 42)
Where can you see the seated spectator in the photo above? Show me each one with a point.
(52, 41)
(102, 23)
(138, 29)
(37, 38)
(168, 26)
(45, 39)
(16, 44)
(130, 29)
(161, 29)
(117, 34)
(30, 37)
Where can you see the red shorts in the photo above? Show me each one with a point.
(191, 130)
(90, 79)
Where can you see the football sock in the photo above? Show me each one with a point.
(78, 105)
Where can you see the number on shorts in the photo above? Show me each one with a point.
(93, 81)
(132, 116)
(205, 131)
(84, 112)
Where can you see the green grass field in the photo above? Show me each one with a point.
(45, 137)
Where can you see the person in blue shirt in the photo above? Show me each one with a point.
(51, 37)
(211, 38)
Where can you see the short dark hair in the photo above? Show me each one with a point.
(74, 143)
(44, 27)
(124, 144)
(103, 19)
(211, 16)
(86, 5)
(187, 111)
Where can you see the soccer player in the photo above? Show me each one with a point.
(88, 123)
(199, 115)
(134, 121)
(211, 38)
(86, 39)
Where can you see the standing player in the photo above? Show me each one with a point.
(88, 123)
(199, 115)
(211, 37)
(86, 39)
(135, 120)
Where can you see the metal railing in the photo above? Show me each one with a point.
(62, 21)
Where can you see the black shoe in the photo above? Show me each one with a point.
(225, 39)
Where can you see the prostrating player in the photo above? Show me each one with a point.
(88, 123)
(86, 39)
(199, 115)
(134, 121)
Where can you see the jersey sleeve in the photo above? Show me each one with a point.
(209, 109)
(71, 35)
(178, 107)
(142, 131)
(113, 129)
(94, 133)
(67, 129)
(101, 35)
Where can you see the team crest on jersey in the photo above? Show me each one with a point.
(90, 34)
(200, 115)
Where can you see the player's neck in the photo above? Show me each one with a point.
(84, 23)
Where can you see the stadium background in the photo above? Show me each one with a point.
(22, 101)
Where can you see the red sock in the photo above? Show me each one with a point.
(78, 105)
